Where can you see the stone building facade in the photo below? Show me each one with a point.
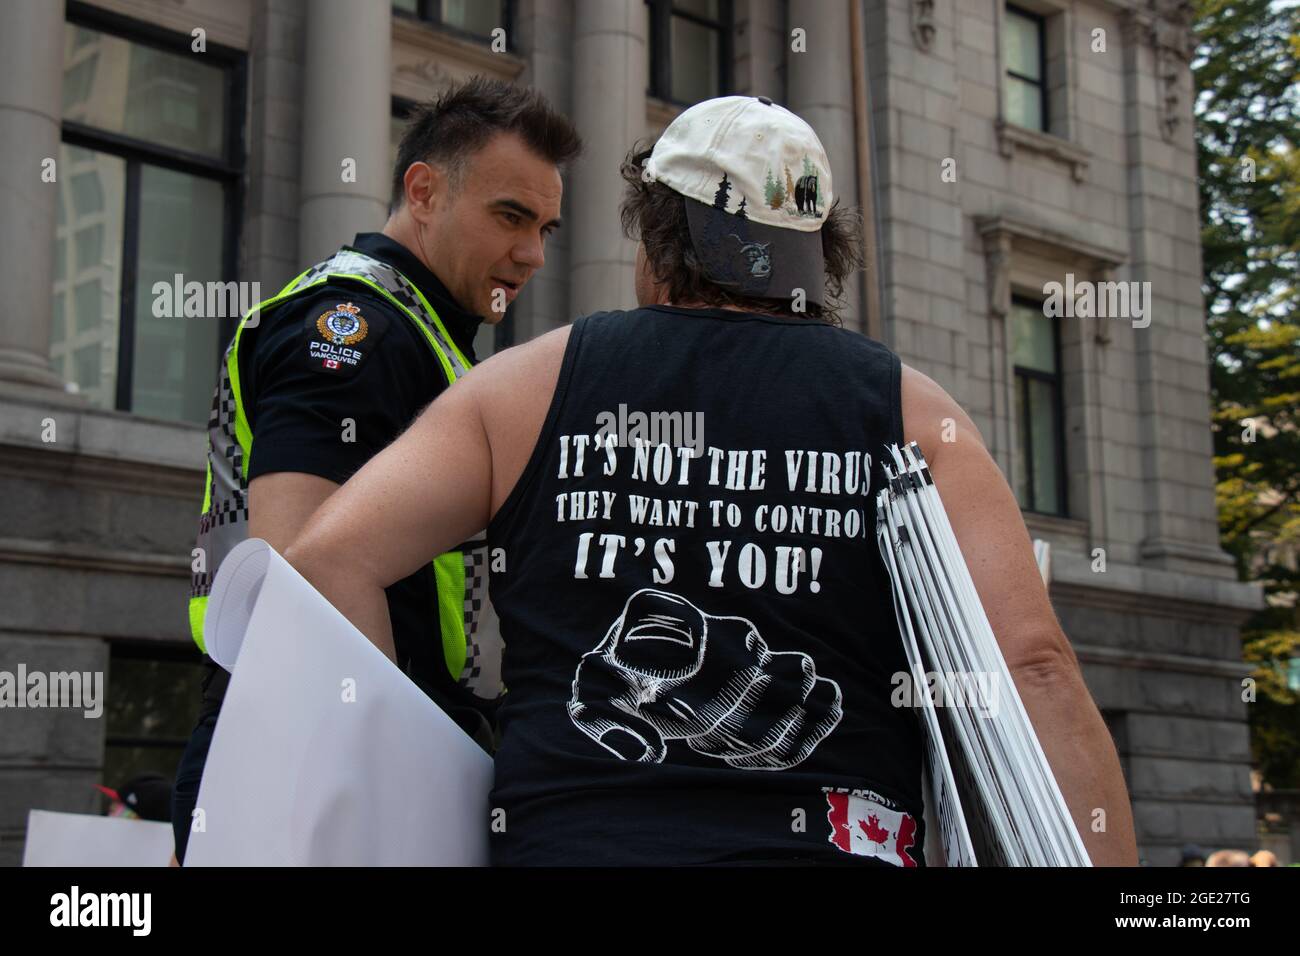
(995, 148)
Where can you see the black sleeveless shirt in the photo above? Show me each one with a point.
(699, 633)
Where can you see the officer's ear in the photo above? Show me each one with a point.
(426, 187)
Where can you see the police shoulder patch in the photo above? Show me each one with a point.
(339, 339)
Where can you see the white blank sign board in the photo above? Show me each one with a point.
(325, 754)
(80, 839)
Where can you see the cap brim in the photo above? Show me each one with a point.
(754, 259)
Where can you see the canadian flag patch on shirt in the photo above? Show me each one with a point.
(862, 826)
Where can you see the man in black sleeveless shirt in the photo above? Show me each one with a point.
(701, 647)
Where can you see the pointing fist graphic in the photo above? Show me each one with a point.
(665, 670)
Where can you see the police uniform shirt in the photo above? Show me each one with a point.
(299, 404)
(323, 409)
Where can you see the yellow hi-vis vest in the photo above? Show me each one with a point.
(223, 523)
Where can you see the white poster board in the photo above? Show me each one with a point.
(81, 839)
(325, 753)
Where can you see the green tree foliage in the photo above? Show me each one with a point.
(773, 192)
(1247, 69)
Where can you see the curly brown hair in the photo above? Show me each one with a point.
(656, 215)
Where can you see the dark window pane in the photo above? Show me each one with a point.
(1024, 104)
(1020, 480)
(58, 327)
(176, 355)
(480, 17)
(151, 698)
(1032, 338)
(703, 8)
(165, 98)
(87, 191)
(407, 6)
(77, 80)
(88, 270)
(1042, 424)
(89, 301)
(1023, 45)
(123, 763)
(151, 709)
(87, 367)
(90, 246)
(695, 61)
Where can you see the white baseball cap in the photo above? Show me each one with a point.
(757, 185)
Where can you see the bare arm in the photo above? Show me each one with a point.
(422, 495)
(995, 543)
(437, 485)
(280, 503)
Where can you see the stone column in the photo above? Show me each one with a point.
(545, 35)
(347, 77)
(760, 49)
(819, 85)
(609, 104)
(31, 106)
(1178, 505)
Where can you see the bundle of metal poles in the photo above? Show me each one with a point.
(996, 800)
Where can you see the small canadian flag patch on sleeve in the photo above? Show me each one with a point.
(866, 828)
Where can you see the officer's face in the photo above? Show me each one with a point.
(489, 237)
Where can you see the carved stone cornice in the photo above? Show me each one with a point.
(1002, 234)
(923, 25)
(1166, 26)
(427, 60)
(1172, 39)
(1012, 138)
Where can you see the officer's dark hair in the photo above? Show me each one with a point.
(656, 215)
(448, 130)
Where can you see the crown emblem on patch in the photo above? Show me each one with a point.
(343, 325)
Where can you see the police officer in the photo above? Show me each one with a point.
(323, 375)
(681, 684)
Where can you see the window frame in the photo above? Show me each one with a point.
(430, 12)
(228, 170)
(1020, 374)
(172, 653)
(1040, 24)
(659, 47)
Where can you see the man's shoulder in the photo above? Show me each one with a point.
(515, 382)
(338, 330)
(540, 355)
(339, 313)
(321, 301)
(928, 409)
